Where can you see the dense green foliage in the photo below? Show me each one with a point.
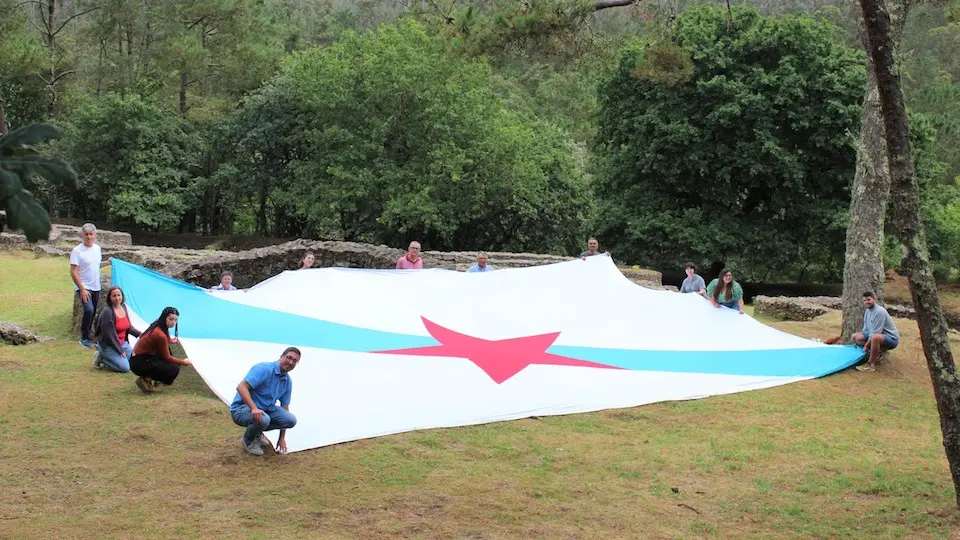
(479, 125)
(134, 158)
(731, 143)
(387, 136)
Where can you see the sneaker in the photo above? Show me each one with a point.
(866, 367)
(265, 442)
(86, 343)
(253, 447)
(144, 385)
(97, 364)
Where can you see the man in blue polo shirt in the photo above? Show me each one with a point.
(255, 405)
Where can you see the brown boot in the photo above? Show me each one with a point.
(145, 384)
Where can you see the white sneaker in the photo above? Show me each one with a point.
(97, 364)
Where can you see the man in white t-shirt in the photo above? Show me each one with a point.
(85, 262)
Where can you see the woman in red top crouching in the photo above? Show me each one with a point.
(113, 349)
(152, 360)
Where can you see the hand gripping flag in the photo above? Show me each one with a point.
(388, 351)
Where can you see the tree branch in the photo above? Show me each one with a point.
(72, 18)
(604, 4)
(447, 19)
(61, 75)
(196, 22)
(27, 2)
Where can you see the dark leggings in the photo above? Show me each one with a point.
(153, 366)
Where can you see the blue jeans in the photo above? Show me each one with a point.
(274, 417)
(112, 360)
(88, 308)
(733, 304)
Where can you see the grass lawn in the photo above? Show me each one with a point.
(87, 455)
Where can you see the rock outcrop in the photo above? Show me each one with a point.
(787, 309)
(14, 334)
(255, 265)
(68, 235)
(204, 267)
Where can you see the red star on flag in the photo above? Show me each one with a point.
(500, 359)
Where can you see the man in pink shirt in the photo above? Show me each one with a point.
(412, 260)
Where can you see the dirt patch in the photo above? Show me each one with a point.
(11, 365)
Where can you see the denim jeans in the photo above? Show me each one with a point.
(733, 304)
(112, 360)
(88, 308)
(889, 343)
(274, 417)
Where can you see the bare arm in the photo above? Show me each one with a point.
(75, 275)
(244, 390)
(282, 441)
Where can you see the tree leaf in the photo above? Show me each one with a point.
(9, 184)
(29, 135)
(24, 212)
(53, 169)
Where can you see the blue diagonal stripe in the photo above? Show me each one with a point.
(205, 316)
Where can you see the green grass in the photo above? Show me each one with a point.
(86, 455)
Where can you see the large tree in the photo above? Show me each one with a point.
(863, 261)
(133, 154)
(905, 195)
(388, 135)
(728, 141)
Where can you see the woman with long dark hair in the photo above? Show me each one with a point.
(307, 261)
(152, 360)
(725, 291)
(113, 349)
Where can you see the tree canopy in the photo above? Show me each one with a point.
(388, 135)
(730, 140)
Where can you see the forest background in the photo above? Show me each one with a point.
(674, 131)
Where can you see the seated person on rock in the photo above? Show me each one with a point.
(412, 259)
(255, 405)
(481, 265)
(879, 333)
(693, 283)
(113, 349)
(725, 291)
(226, 282)
(151, 359)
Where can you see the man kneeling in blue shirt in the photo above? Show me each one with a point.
(255, 405)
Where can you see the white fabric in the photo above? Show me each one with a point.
(87, 260)
(645, 345)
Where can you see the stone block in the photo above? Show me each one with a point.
(788, 309)
(14, 334)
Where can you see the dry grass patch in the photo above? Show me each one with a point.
(87, 455)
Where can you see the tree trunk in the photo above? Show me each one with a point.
(906, 210)
(184, 82)
(863, 264)
(51, 39)
(3, 118)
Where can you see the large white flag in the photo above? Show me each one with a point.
(387, 351)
